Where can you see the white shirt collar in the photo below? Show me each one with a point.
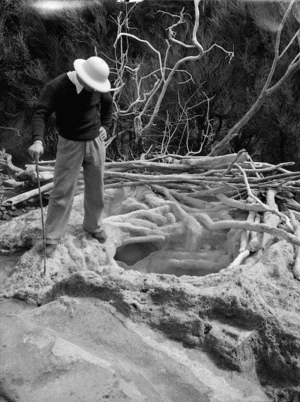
(73, 78)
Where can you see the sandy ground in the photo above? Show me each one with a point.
(78, 349)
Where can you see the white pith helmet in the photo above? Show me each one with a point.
(94, 72)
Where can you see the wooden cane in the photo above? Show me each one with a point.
(42, 214)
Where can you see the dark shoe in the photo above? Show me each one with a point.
(101, 236)
(50, 248)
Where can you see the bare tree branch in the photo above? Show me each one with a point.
(266, 90)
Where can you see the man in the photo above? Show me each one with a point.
(83, 107)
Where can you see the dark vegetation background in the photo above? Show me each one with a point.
(37, 47)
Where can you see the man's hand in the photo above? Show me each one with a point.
(102, 133)
(36, 149)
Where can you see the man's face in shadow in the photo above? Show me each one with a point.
(85, 86)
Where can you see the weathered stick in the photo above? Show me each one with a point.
(244, 250)
(295, 213)
(239, 259)
(293, 204)
(144, 239)
(296, 268)
(6, 162)
(271, 204)
(243, 205)
(261, 228)
(26, 196)
(255, 242)
(237, 159)
(269, 218)
(215, 162)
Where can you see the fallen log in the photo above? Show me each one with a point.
(26, 196)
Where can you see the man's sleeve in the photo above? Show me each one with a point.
(106, 111)
(41, 113)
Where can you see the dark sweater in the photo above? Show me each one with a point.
(78, 116)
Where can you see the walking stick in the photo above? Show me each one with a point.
(42, 214)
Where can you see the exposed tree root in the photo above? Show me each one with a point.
(261, 228)
(296, 267)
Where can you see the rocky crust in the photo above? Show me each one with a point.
(247, 318)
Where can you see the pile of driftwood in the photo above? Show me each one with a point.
(233, 176)
(267, 193)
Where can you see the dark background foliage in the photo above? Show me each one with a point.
(37, 47)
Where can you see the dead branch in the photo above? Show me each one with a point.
(261, 228)
(266, 90)
(271, 195)
(245, 247)
(6, 163)
(239, 259)
(139, 107)
(242, 205)
(296, 267)
(270, 218)
(256, 239)
(26, 196)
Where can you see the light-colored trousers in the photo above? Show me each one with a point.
(70, 157)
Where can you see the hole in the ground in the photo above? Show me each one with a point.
(147, 258)
(130, 254)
